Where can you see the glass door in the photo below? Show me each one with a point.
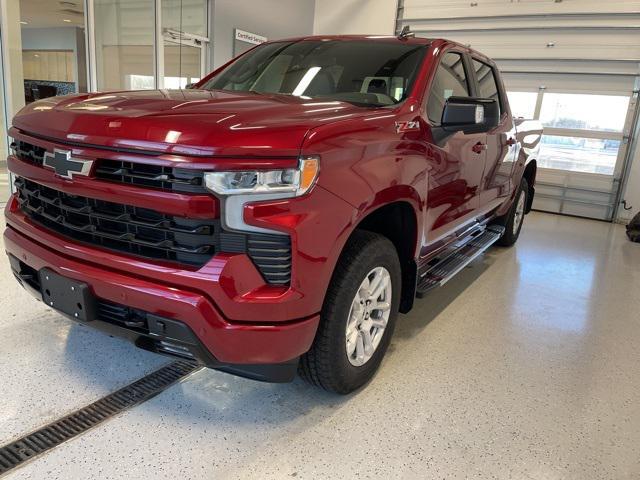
(184, 41)
(183, 61)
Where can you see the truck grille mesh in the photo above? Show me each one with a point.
(119, 227)
(151, 234)
(144, 175)
(155, 176)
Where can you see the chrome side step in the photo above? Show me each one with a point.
(448, 267)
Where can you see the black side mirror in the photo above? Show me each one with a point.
(470, 115)
(189, 86)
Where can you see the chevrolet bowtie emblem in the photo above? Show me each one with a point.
(64, 165)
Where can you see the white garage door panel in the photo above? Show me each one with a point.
(568, 43)
(487, 8)
(541, 66)
(569, 83)
(531, 22)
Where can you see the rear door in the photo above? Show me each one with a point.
(455, 162)
(501, 146)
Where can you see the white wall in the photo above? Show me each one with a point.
(342, 17)
(270, 18)
(59, 38)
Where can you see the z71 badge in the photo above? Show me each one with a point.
(410, 126)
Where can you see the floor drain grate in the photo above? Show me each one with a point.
(59, 431)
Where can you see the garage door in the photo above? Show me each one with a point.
(572, 65)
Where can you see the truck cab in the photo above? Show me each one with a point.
(277, 216)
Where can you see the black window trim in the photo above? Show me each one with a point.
(496, 77)
(469, 79)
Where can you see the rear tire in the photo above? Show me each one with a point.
(515, 218)
(353, 334)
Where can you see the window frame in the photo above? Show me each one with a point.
(470, 81)
(504, 109)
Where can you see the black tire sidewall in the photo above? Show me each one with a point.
(510, 237)
(377, 252)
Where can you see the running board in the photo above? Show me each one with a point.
(448, 267)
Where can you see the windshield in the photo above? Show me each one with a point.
(361, 72)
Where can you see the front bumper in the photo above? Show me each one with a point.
(260, 350)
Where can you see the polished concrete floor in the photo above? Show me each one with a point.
(525, 366)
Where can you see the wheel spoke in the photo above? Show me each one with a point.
(380, 288)
(364, 288)
(368, 342)
(379, 322)
(352, 343)
(360, 347)
(378, 278)
(381, 306)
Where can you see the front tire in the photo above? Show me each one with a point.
(358, 316)
(515, 217)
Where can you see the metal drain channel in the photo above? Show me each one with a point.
(33, 444)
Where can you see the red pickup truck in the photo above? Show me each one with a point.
(275, 217)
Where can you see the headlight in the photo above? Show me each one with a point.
(290, 182)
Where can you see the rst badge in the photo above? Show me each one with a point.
(64, 165)
(410, 126)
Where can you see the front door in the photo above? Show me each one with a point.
(455, 162)
(501, 141)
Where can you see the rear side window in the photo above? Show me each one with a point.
(450, 81)
(487, 82)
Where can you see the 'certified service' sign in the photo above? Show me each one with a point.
(249, 37)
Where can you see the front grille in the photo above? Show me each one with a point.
(144, 175)
(29, 152)
(154, 176)
(115, 226)
(151, 234)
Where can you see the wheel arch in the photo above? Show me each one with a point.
(398, 221)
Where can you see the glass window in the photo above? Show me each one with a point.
(575, 154)
(182, 60)
(182, 65)
(583, 111)
(360, 72)
(124, 43)
(450, 80)
(523, 104)
(487, 84)
(188, 16)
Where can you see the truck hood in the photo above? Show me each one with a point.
(184, 122)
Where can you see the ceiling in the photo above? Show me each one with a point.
(51, 13)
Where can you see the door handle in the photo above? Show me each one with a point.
(479, 147)
(511, 142)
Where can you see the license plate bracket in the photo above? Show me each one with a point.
(68, 296)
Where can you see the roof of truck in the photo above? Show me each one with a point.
(383, 38)
(390, 38)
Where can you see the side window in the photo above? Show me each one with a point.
(487, 84)
(450, 81)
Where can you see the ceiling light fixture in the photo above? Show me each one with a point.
(66, 20)
(23, 22)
